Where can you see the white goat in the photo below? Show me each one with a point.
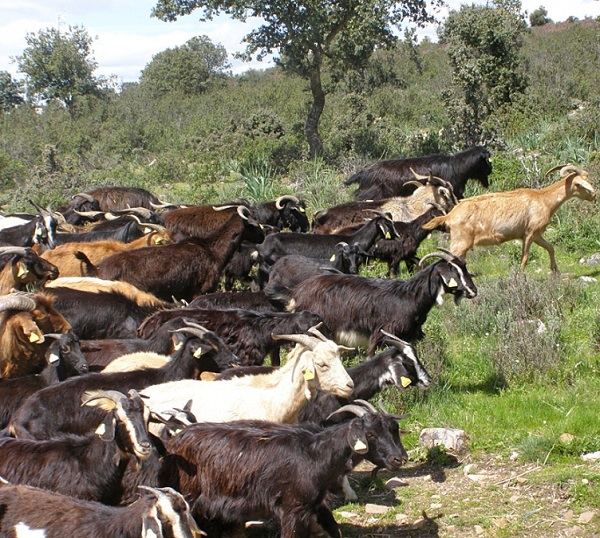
(492, 219)
(314, 364)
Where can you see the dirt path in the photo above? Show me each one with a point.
(491, 497)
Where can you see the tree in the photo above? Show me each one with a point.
(58, 65)
(484, 44)
(539, 17)
(11, 91)
(310, 34)
(189, 69)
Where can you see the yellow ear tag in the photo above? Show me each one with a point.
(22, 272)
(452, 283)
(53, 358)
(198, 353)
(308, 374)
(387, 235)
(33, 337)
(178, 346)
(405, 381)
(147, 230)
(302, 210)
(359, 446)
(332, 259)
(101, 430)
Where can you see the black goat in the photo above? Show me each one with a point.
(118, 307)
(246, 333)
(287, 212)
(284, 473)
(29, 511)
(64, 359)
(323, 246)
(291, 270)
(357, 308)
(57, 410)
(404, 247)
(385, 179)
(88, 467)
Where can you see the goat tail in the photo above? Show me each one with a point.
(359, 177)
(90, 268)
(436, 223)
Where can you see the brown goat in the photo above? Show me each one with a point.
(24, 319)
(63, 256)
(492, 219)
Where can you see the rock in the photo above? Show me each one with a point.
(594, 259)
(376, 509)
(588, 279)
(402, 519)
(592, 456)
(395, 482)
(451, 439)
(566, 438)
(586, 517)
(478, 529)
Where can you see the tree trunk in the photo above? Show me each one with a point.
(311, 128)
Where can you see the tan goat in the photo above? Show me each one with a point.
(492, 219)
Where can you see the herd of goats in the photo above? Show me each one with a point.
(134, 398)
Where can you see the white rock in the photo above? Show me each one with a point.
(450, 438)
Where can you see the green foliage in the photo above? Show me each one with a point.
(484, 44)
(59, 65)
(188, 70)
(539, 17)
(11, 92)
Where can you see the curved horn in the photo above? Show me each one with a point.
(162, 205)
(90, 214)
(285, 198)
(224, 207)
(386, 412)
(307, 341)
(243, 212)
(571, 168)
(17, 302)
(447, 256)
(369, 406)
(314, 330)
(420, 176)
(144, 212)
(555, 168)
(193, 329)
(394, 338)
(355, 409)
(13, 250)
(85, 195)
(113, 395)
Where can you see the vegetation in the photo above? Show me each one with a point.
(517, 367)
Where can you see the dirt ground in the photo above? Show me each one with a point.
(491, 497)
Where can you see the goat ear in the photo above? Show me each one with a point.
(32, 331)
(106, 430)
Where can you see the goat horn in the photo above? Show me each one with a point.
(224, 207)
(413, 182)
(285, 198)
(13, 250)
(394, 338)
(85, 195)
(420, 176)
(89, 213)
(40, 209)
(555, 168)
(571, 168)
(243, 212)
(198, 331)
(142, 211)
(387, 413)
(447, 256)
(307, 341)
(314, 330)
(355, 409)
(113, 395)
(195, 325)
(17, 302)
(162, 205)
(367, 405)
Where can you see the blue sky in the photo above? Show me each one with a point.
(126, 37)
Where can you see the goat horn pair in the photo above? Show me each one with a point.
(307, 341)
(142, 225)
(564, 169)
(387, 413)
(444, 254)
(41, 210)
(284, 199)
(162, 205)
(194, 329)
(85, 195)
(16, 301)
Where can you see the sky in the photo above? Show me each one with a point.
(125, 37)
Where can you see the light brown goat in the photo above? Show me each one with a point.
(492, 219)
(63, 256)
